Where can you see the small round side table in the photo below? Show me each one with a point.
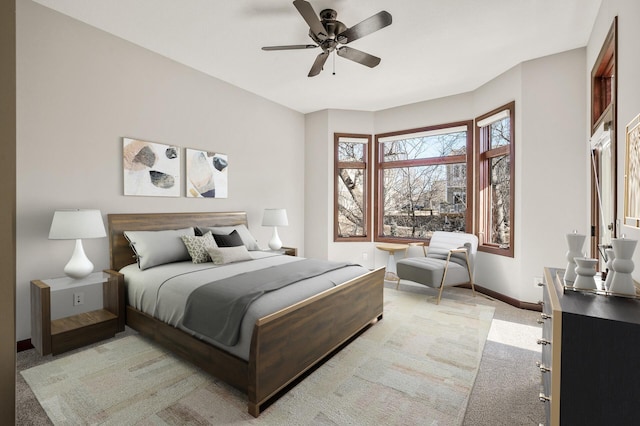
(393, 250)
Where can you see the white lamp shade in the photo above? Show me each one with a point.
(275, 217)
(76, 224)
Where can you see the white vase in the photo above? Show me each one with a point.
(621, 282)
(575, 242)
(610, 256)
(585, 271)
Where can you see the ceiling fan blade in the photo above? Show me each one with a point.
(366, 27)
(290, 47)
(358, 56)
(318, 64)
(311, 17)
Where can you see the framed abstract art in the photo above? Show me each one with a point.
(207, 174)
(150, 169)
(632, 174)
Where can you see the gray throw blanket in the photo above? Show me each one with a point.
(216, 309)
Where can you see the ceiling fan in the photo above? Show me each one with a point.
(330, 34)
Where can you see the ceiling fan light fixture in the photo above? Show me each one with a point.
(329, 33)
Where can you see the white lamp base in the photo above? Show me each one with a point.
(274, 242)
(79, 265)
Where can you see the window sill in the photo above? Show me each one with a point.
(506, 252)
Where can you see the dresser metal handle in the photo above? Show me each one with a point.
(543, 368)
(543, 342)
(544, 398)
(543, 317)
(540, 302)
(541, 284)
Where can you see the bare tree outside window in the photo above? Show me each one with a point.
(495, 186)
(351, 218)
(422, 182)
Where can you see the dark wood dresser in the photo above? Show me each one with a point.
(590, 362)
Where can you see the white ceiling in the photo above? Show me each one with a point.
(433, 48)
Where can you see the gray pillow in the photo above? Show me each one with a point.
(247, 238)
(153, 248)
(223, 255)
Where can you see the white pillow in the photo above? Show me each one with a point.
(153, 248)
(222, 255)
(249, 240)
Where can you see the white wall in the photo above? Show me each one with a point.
(80, 90)
(628, 12)
(554, 162)
(316, 202)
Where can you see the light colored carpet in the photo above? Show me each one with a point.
(416, 366)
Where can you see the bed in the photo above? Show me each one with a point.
(283, 345)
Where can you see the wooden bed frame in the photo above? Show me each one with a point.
(284, 344)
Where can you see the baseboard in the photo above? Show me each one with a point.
(506, 299)
(24, 345)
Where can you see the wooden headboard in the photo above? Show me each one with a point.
(121, 255)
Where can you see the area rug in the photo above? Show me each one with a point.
(416, 366)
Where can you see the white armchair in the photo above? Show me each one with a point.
(449, 260)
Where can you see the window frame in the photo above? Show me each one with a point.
(365, 165)
(483, 155)
(380, 166)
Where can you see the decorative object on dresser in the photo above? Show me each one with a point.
(575, 242)
(76, 225)
(609, 256)
(585, 271)
(276, 347)
(150, 168)
(275, 218)
(588, 354)
(622, 282)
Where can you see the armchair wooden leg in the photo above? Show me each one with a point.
(440, 293)
(444, 276)
(473, 288)
(398, 283)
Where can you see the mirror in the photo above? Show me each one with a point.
(604, 189)
(603, 146)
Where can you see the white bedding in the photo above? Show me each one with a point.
(162, 291)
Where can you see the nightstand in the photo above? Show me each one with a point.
(289, 251)
(74, 331)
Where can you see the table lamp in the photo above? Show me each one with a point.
(76, 225)
(275, 218)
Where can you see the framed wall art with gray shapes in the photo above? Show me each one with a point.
(632, 175)
(150, 168)
(207, 174)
